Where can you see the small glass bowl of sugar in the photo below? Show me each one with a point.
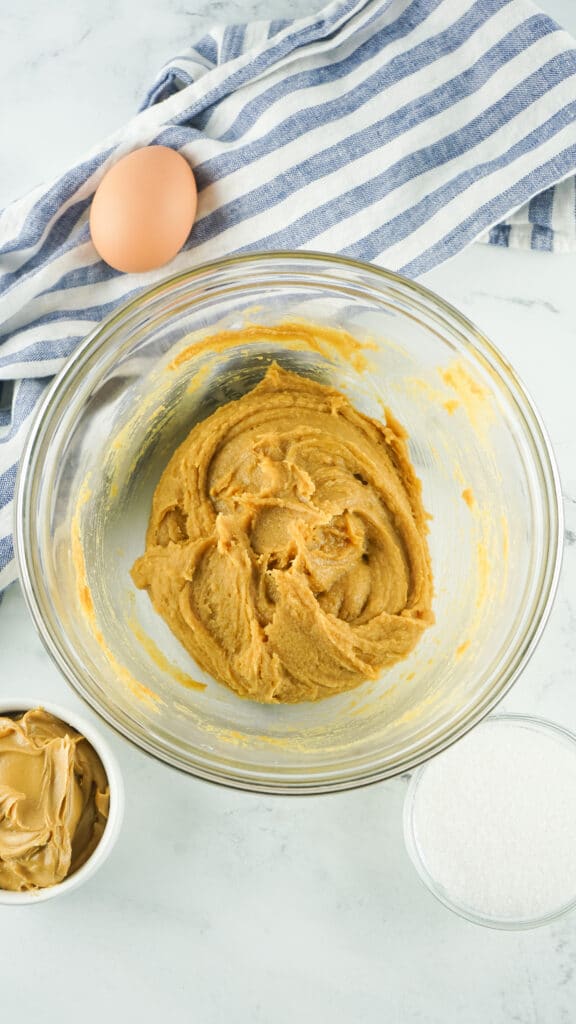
(490, 824)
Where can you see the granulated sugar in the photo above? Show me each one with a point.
(494, 820)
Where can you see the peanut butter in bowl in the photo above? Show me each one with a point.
(287, 544)
(54, 800)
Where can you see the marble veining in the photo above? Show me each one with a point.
(218, 906)
(518, 300)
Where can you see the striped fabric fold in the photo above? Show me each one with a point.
(396, 131)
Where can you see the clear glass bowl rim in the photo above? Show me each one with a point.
(422, 297)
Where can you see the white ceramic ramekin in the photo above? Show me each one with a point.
(116, 814)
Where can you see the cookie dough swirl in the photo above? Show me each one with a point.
(287, 547)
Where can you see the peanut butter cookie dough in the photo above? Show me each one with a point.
(54, 800)
(287, 547)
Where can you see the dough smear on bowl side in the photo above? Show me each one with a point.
(287, 544)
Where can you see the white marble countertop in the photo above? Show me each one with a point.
(218, 906)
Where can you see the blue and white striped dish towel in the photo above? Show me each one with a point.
(396, 131)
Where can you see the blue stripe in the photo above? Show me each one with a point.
(500, 235)
(6, 551)
(208, 48)
(373, 42)
(403, 65)
(92, 314)
(413, 16)
(48, 205)
(6, 396)
(402, 225)
(26, 395)
(542, 238)
(304, 228)
(264, 60)
(552, 170)
(276, 26)
(170, 83)
(391, 127)
(232, 42)
(42, 351)
(58, 241)
(7, 485)
(378, 135)
(94, 273)
(540, 216)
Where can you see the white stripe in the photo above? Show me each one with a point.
(402, 199)
(23, 303)
(476, 195)
(396, 96)
(520, 236)
(6, 519)
(212, 197)
(180, 101)
(10, 450)
(12, 216)
(52, 332)
(307, 199)
(307, 58)
(256, 36)
(315, 138)
(28, 369)
(563, 211)
(8, 575)
(312, 196)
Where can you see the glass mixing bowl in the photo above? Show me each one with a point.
(108, 426)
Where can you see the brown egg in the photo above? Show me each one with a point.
(143, 209)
